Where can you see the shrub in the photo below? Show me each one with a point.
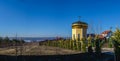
(83, 45)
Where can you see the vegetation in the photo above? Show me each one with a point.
(6, 42)
(97, 45)
(79, 45)
(110, 43)
(116, 43)
(90, 50)
(83, 45)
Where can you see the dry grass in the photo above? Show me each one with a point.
(47, 50)
(35, 49)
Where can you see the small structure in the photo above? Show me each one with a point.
(79, 30)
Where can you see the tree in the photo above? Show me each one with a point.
(110, 43)
(89, 41)
(1, 40)
(83, 45)
(79, 45)
(6, 41)
(97, 45)
(116, 43)
(90, 50)
(74, 45)
(116, 35)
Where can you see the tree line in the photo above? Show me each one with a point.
(80, 45)
(6, 42)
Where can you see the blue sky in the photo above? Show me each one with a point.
(50, 18)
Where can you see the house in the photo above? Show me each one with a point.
(106, 34)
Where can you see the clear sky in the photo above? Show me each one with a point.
(50, 18)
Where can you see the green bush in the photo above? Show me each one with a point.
(83, 45)
(116, 43)
(97, 45)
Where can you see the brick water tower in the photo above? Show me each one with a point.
(79, 30)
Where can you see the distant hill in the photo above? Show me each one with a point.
(28, 39)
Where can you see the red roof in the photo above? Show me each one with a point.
(106, 32)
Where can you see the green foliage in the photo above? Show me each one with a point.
(83, 45)
(97, 45)
(102, 43)
(6, 42)
(74, 45)
(93, 43)
(110, 43)
(1, 39)
(68, 44)
(116, 35)
(90, 50)
(79, 46)
(116, 43)
(89, 41)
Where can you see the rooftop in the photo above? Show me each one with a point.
(106, 32)
(79, 22)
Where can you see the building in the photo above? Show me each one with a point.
(106, 34)
(79, 30)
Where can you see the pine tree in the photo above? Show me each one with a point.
(1, 40)
(89, 41)
(97, 45)
(79, 45)
(110, 43)
(83, 45)
(116, 43)
(90, 50)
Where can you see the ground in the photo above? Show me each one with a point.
(35, 49)
(34, 52)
